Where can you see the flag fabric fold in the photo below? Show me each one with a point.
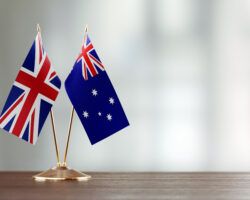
(93, 95)
(32, 95)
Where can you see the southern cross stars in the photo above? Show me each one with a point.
(94, 92)
(111, 100)
(108, 117)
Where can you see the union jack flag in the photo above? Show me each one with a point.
(32, 95)
(89, 59)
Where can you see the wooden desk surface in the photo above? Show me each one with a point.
(126, 186)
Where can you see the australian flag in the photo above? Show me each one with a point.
(32, 95)
(93, 96)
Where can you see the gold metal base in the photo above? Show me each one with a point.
(61, 173)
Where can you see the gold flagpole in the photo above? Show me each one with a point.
(72, 116)
(61, 171)
(54, 135)
(38, 28)
(69, 133)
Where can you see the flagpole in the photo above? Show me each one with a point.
(61, 172)
(38, 28)
(52, 119)
(71, 118)
(54, 135)
(69, 134)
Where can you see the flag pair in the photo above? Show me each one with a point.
(37, 86)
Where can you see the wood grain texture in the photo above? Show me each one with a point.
(128, 186)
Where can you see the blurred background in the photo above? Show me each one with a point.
(180, 67)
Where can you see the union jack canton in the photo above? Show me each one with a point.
(32, 95)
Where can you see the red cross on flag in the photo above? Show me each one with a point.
(32, 95)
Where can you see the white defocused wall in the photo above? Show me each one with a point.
(181, 69)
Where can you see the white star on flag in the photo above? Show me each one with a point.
(111, 100)
(85, 114)
(94, 92)
(109, 117)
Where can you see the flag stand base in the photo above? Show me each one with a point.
(61, 173)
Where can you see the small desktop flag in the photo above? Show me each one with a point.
(32, 95)
(93, 96)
